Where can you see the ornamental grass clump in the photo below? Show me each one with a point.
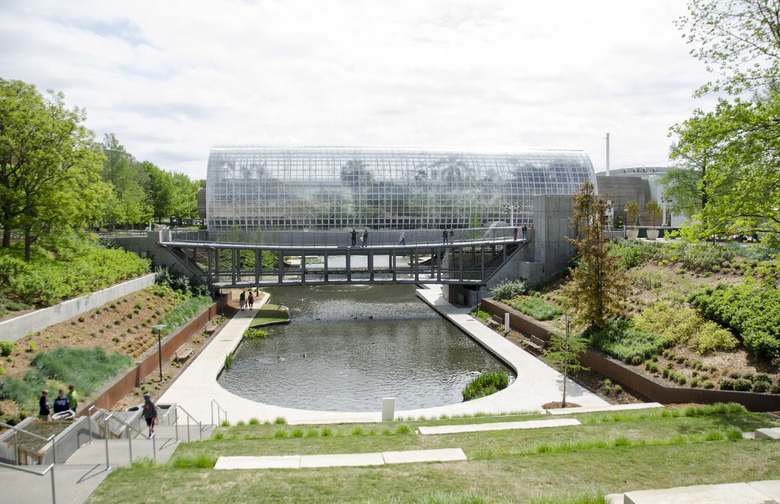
(537, 308)
(485, 384)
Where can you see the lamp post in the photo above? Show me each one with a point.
(159, 328)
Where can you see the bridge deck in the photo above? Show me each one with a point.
(467, 262)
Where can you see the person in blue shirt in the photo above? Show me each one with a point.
(61, 403)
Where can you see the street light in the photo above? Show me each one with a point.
(159, 328)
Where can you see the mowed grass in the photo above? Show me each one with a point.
(271, 313)
(608, 453)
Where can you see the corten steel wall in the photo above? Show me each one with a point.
(625, 375)
(133, 378)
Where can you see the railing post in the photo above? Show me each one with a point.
(176, 413)
(16, 446)
(154, 446)
(53, 448)
(107, 435)
(188, 428)
(53, 492)
(200, 429)
(130, 443)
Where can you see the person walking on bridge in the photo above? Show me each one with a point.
(365, 237)
(402, 239)
(354, 237)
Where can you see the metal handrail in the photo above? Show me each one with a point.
(219, 408)
(129, 438)
(16, 441)
(176, 422)
(49, 469)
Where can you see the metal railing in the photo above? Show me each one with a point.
(17, 430)
(129, 438)
(219, 408)
(343, 238)
(176, 422)
(49, 469)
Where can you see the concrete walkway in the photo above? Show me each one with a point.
(494, 426)
(340, 460)
(536, 383)
(756, 492)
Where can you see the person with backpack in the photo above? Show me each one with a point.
(150, 413)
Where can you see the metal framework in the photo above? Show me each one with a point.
(464, 261)
(250, 188)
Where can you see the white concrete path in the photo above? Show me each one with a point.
(494, 426)
(340, 460)
(756, 492)
(536, 383)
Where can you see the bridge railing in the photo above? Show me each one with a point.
(343, 238)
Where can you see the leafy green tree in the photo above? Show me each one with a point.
(683, 187)
(598, 285)
(127, 178)
(49, 163)
(741, 185)
(738, 39)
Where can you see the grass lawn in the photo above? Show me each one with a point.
(608, 453)
(271, 313)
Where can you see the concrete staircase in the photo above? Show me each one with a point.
(79, 476)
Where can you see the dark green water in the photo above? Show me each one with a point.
(347, 347)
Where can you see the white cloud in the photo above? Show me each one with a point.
(171, 79)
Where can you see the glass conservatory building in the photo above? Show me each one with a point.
(253, 187)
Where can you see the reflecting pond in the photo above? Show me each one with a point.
(347, 347)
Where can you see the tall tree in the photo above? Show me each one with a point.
(731, 153)
(127, 203)
(741, 185)
(598, 284)
(48, 163)
(739, 39)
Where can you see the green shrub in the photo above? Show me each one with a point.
(485, 384)
(684, 325)
(537, 308)
(69, 267)
(761, 386)
(481, 315)
(253, 333)
(6, 347)
(752, 310)
(87, 369)
(621, 340)
(509, 289)
(199, 461)
(742, 384)
(184, 312)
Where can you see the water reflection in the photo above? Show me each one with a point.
(347, 347)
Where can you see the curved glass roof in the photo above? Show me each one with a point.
(254, 187)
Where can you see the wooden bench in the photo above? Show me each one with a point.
(182, 354)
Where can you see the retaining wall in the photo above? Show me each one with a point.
(126, 383)
(38, 320)
(627, 375)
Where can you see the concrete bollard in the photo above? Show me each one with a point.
(506, 323)
(388, 409)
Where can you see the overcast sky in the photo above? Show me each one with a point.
(171, 79)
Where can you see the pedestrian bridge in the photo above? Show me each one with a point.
(242, 260)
